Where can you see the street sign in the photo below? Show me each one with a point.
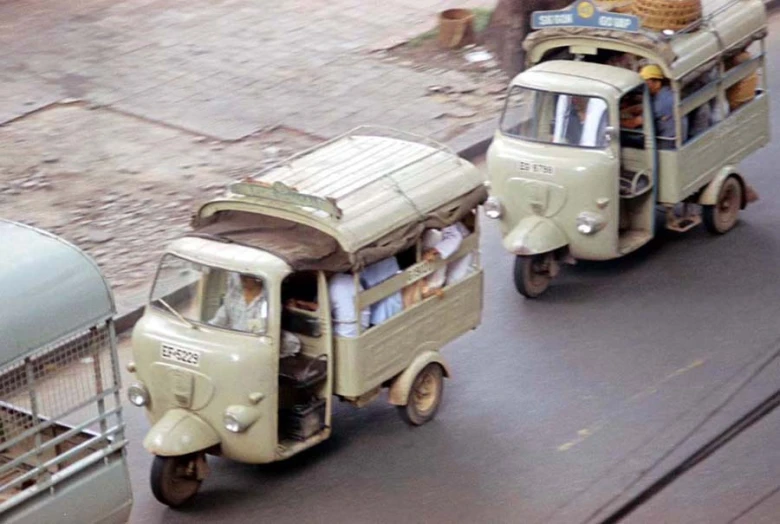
(585, 13)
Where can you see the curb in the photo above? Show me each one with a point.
(126, 318)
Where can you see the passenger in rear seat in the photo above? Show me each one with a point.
(374, 275)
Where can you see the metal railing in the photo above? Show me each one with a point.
(59, 408)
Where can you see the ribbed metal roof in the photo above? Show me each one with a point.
(375, 184)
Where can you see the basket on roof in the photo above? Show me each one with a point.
(667, 14)
(616, 6)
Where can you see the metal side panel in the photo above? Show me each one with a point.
(382, 352)
(99, 494)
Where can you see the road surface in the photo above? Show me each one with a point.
(559, 409)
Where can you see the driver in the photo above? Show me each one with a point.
(244, 309)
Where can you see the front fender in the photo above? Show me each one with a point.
(399, 391)
(710, 195)
(180, 432)
(535, 235)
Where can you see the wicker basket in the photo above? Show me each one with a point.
(456, 28)
(745, 90)
(616, 6)
(667, 14)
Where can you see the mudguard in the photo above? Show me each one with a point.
(535, 235)
(399, 391)
(180, 432)
(709, 196)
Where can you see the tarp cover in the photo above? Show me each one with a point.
(306, 248)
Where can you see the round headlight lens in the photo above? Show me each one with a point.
(590, 223)
(232, 424)
(493, 208)
(138, 395)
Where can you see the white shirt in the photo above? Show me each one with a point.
(342, 292)
(374, 275)
(236, 314)
(592, 126)
(447, 244)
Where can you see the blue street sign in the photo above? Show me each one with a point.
(584, 13)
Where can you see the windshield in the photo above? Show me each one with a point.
(199, 294)
(556, 118)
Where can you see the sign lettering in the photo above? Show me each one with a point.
(584, 13)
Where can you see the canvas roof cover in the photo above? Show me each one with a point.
(354, 200)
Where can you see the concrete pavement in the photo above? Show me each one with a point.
(225, 69)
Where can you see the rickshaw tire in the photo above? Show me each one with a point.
(411, 412)
(522, 274)
(710, 213)
(163, 481)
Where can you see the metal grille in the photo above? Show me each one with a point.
(59, 406)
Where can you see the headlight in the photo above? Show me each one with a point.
(493, 208)
(239, 418)
(590, 223)
(138, 395)
(232, 424)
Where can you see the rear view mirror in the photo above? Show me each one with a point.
(610, 134)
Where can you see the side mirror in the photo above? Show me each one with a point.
(610, 134)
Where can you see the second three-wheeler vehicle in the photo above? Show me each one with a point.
(307, 244)
(575, 174)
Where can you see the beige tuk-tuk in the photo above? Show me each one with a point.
(571, 178)
(308, 233)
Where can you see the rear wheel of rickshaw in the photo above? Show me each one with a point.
(175, 480)
(723, 216)
(424, 396)
(532, 274)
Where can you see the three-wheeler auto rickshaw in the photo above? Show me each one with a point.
(262, 391)
(571, 176)
(62, 444)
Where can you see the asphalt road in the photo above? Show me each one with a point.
(559, 409)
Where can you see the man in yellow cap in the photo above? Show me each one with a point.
(663, 107)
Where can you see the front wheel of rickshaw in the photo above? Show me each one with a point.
(424, 396)
(723, 216)
(175, 480)
(532, 274)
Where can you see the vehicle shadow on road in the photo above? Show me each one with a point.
(589, 279)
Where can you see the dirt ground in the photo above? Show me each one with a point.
(119, 187)
(470, 80)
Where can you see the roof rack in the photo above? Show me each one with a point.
(705, 20)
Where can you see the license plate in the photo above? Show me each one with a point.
(182, 356)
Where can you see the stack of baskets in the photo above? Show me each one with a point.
(658, 15)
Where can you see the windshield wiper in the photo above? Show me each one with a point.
(176, 313)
